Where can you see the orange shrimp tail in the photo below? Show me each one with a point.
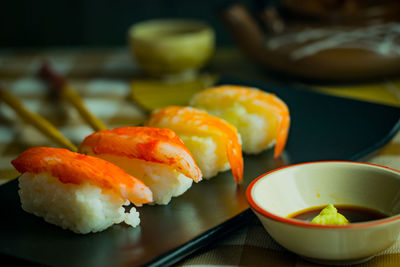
(75, 168)
(235, 158)
(283, 128)
(233, 147)
(282, 136)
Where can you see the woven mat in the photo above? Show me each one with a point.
(102, 77)
(107, 98)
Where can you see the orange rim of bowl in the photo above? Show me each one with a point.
(295, 222)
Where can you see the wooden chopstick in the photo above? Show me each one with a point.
(58, 83)
(36, 120)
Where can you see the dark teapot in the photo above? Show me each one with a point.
(347, 40)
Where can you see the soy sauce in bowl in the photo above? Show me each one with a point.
(355, 214)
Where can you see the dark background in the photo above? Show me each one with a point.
(30, 23)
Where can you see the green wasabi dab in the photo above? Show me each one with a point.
(330, 215)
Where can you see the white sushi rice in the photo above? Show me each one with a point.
(253, 128)
(254, 131)
(206, 154)
(164, 181)
(81, 208)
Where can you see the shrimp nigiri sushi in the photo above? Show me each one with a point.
(214, 143)
(77, 192)
(158, 157)
(261, 118)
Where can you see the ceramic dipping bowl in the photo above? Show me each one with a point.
(281, 192)
(163, 47)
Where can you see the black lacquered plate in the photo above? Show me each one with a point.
(323, 128)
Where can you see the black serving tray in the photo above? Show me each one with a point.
(323, 128)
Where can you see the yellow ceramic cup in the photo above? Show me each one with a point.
(171, 46)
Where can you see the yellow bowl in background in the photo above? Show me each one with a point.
(171, 46)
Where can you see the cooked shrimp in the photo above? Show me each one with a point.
(261, 118)
(156, 156)
(194, 127)
(74, 168)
